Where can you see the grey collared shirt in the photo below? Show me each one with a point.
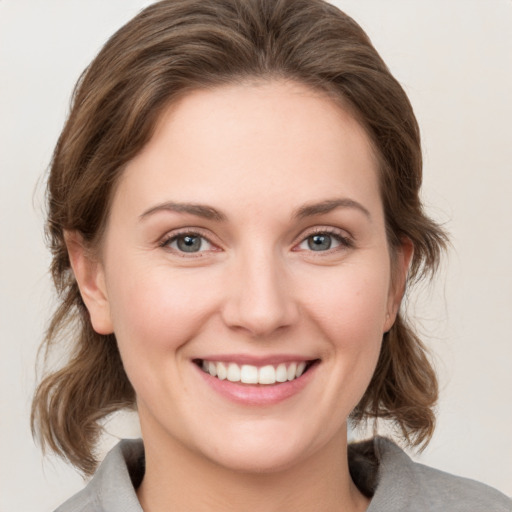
(379, 468)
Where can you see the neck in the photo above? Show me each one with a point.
(180, 480)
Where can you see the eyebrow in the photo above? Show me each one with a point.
(309, 210)
(208, 212)
(199, 210)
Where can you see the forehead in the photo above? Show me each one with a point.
(276, 139)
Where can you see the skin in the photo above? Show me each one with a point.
(257, 154)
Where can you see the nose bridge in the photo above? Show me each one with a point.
(259, 299)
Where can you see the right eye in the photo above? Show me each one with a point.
(188, 243)
(320, 242)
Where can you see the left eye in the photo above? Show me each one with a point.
(188, 242)
(321, 242)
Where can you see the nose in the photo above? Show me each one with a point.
(259, 297)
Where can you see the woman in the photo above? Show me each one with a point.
(234, 217)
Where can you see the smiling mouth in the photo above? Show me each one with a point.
(250, 374)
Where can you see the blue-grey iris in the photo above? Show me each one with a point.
(189, 243)
(319, 242)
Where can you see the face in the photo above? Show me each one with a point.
(247, 241)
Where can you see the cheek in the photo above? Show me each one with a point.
(154, 311)
(352, 305)
(154, 319)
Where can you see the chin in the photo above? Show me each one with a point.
(260, 461)
(263, 450)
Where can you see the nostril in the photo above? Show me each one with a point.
(259, 302)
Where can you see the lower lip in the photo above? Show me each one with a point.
(258, 394)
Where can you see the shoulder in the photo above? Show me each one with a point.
(112, 489)
(402, 484)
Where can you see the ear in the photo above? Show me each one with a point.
(400, 268)
(90, 277)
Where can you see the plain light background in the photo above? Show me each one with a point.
(454, 59)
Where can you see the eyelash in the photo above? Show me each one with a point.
(345, 242)
(172, 237)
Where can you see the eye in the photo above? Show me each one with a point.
(188, 243)
(319, 242)
(323, 241)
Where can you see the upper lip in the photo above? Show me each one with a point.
(256, 360)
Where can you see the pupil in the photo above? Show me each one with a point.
(189, 243)
(319, 242)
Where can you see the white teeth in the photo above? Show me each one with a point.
(222, 371)
(291, 371)
(300, 369)
(249, 374)
(212, 369)
(281, 373)
(267, 375)
(233, 372)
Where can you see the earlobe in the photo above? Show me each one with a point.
(402, 262)
(90, 276)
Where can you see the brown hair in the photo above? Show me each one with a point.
(175, 46)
